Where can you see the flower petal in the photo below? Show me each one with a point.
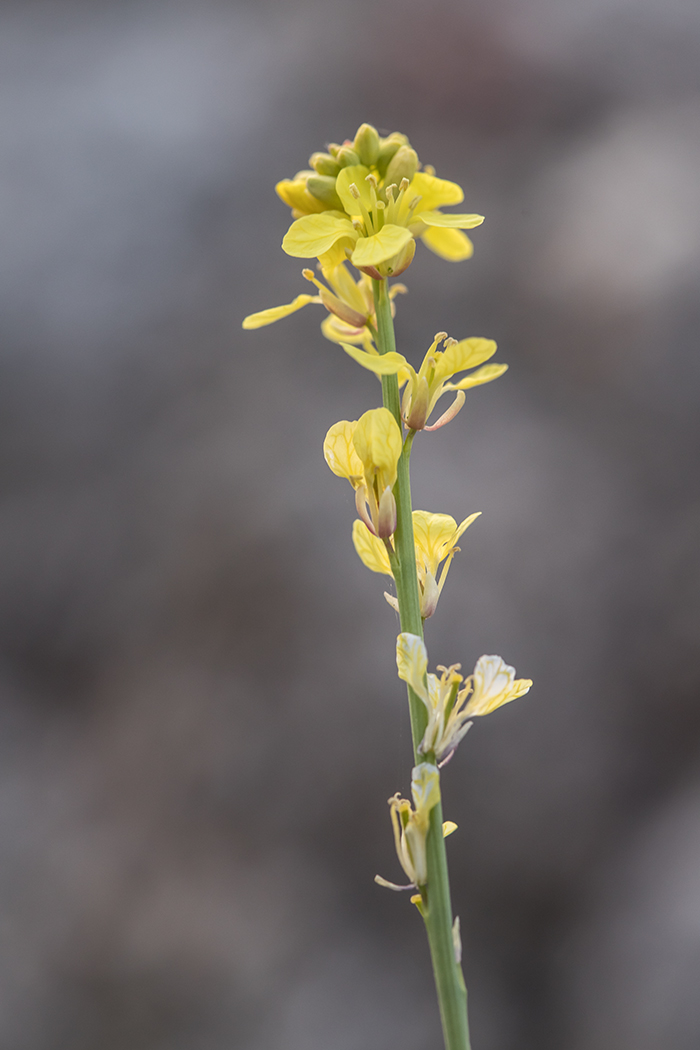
(312, 235)
(339, 451)
(482, 375)
(374, 250)
(456, 222)
(378, 442)
(370, 549)
(452, 245)
(384, 365)
(412, 664)
(356, 173)
(276, 313)
(434, 192)
(467, 353)
(494, 685)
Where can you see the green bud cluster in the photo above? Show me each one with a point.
(390, 158)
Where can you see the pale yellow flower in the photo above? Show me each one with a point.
(425, 387)
(494, 684)
(367, 452)
(411, 825)
(435, 537)
(447, 720)
(450, 707)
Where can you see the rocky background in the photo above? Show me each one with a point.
(200, 719)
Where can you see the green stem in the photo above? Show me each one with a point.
(436, 905)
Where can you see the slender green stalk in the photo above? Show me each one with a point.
(436, 906)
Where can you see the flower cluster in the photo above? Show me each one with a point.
(358, 210)
(365, 201)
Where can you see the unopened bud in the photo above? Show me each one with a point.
(420, 403)
(334, 149)
(403, 165)
(347, 157)
(400, 262)
(386, 518)
(388, 147)
(322, 187)
(366, 144)
(429, 596)
(324, 164)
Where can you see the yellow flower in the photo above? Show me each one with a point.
(425, 387)
(368, 200)
(449, 707)
(367, 452)
(411, 825)
(435, 537)
(350, 305)
(494, 684)
(447, 720)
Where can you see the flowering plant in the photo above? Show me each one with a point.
(363, 204)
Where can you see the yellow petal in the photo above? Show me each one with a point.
(370, 549)
(453, 221)
(434, 536)
(434, 192)
(339, 451)
(464, 525)
(448, 826)
(314, 234)
(275, 313)
(346, 288)
(378, 443)
(371, 251)
(356, 173)
(452, 245)
(467, 353)
(482, 375)
(384, 365)
(412, 664)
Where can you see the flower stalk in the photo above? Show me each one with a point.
(435, 904)
(365, 204)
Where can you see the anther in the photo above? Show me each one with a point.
(308, 274)
(450, 342)
(389, 191)
(404, 184)
(372, 179)
(354, 190)
(439, 336)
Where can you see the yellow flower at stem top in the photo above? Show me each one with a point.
(367, 452)
(450, 707)
(368, 200)
(435, 537)
(425, 387)
(411, 826)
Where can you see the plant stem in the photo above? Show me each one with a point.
(436, 906)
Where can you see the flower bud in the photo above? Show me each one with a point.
(324, 164)
(417, 415)
(366, 144)
(403, 165)
(429, 596)
(322, 187)
(388, 147)
(347, 157)
(386, 518)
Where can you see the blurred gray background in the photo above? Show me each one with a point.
(200, 721)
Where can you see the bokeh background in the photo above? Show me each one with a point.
(200, 721)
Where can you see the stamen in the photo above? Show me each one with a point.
(429, 169)
(354, 190)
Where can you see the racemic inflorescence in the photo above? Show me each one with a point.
(361, 206)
